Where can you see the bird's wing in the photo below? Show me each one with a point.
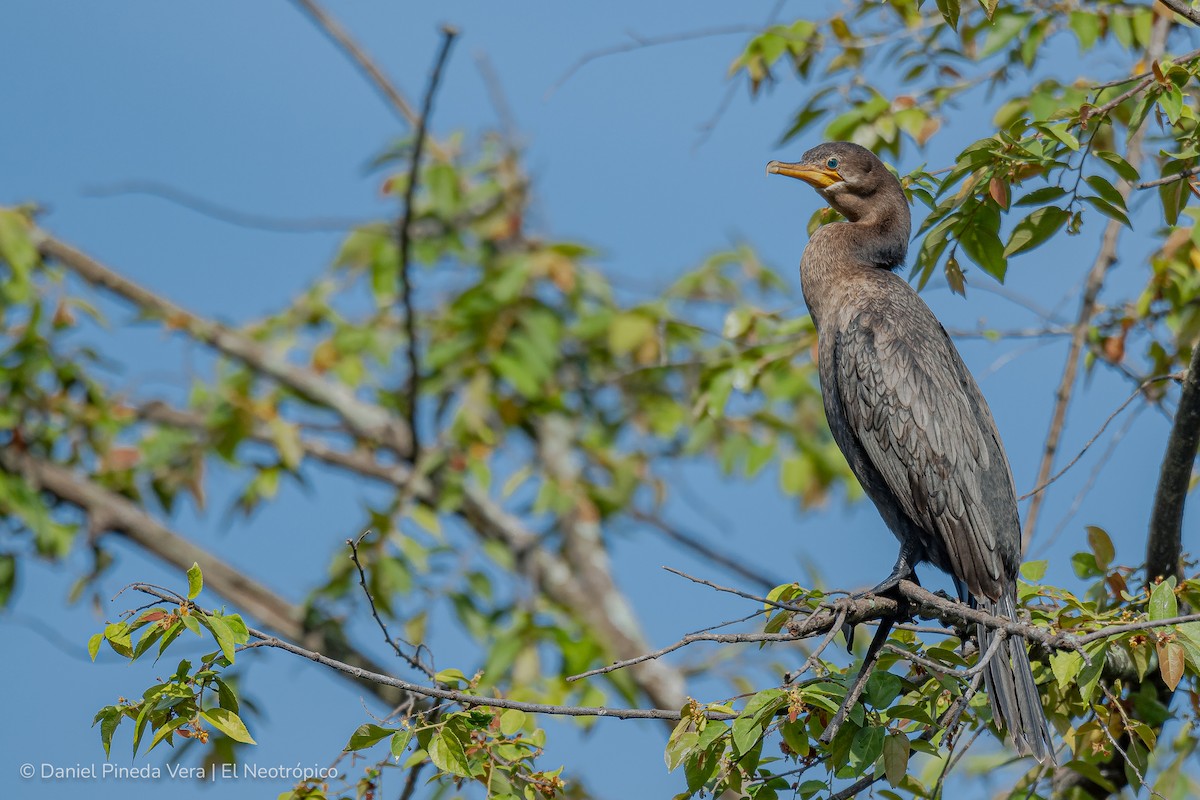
(922, 422)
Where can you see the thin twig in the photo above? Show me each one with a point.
(1192, 56)
(463, 698)
(956, 755)
(874, 650)
(1136, 393)
(412, 661)
(1097, 469)
(979, 667)
(1179, 176)
(1124, 755)
(811, 661)
(738, 592)
(360, 58)
(859, 785)
(207, 208)
(638, 42)
(404, 237)
(705, 550)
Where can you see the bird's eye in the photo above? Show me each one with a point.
(832, 163)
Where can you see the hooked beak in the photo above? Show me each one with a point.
(819, 177)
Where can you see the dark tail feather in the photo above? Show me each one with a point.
(1016, 706)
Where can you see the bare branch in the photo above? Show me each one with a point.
(414, 661)
(364, 420)
(1185, 11)
(225, 214)
(1136, 393)
(464, 698)
(969, 672)
(705, 550)
(638, 42)
(1164, 546)
(738, 592)
(404, 241)
(108, 511)
(355, 53)
(1187, 173)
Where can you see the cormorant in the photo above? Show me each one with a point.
(909, 417)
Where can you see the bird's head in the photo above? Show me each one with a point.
(848, 176)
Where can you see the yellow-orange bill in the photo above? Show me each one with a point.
(811, 174)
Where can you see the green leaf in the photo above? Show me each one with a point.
(195, 581)
(8, 578)
(795, 474)
(511, 721)
(1108, 210)
(221, 633)
(882, 689)
(628, 331)
(1033, 571)
(1122, 167)
(1004, 29)
(1174, 195)
(366, 735)
(1086, 27)
(896, 750)
(94, 645)
(1106, 190)
(400, 740)
(426, 517)
(165, 731)
(1065, 664)
(448, 755)
(867, 746)
(1035, 229)
(750, 723)
(1163, 604)
(1089, 674)
(1040, 196)
(1062, 134)
(228, 723)
(18, 250)
(950, 11)
(1101, 545)
(109, 718)
(983, 247)
(679, 747)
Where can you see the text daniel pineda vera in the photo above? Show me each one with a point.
(107, 771)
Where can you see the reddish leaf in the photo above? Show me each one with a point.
(1171, 657)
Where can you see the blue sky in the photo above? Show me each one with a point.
(248, 104)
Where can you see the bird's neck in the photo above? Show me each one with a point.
(840, 253)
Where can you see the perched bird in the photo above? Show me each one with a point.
(909, 417)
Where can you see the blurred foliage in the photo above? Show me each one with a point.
(520, 331)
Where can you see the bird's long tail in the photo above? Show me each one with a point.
(1016, 706)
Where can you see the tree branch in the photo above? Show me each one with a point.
(366, 421)
(1188, 13)
(355, 53)
(107, 511)
(1164, 546)
(404, 241)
